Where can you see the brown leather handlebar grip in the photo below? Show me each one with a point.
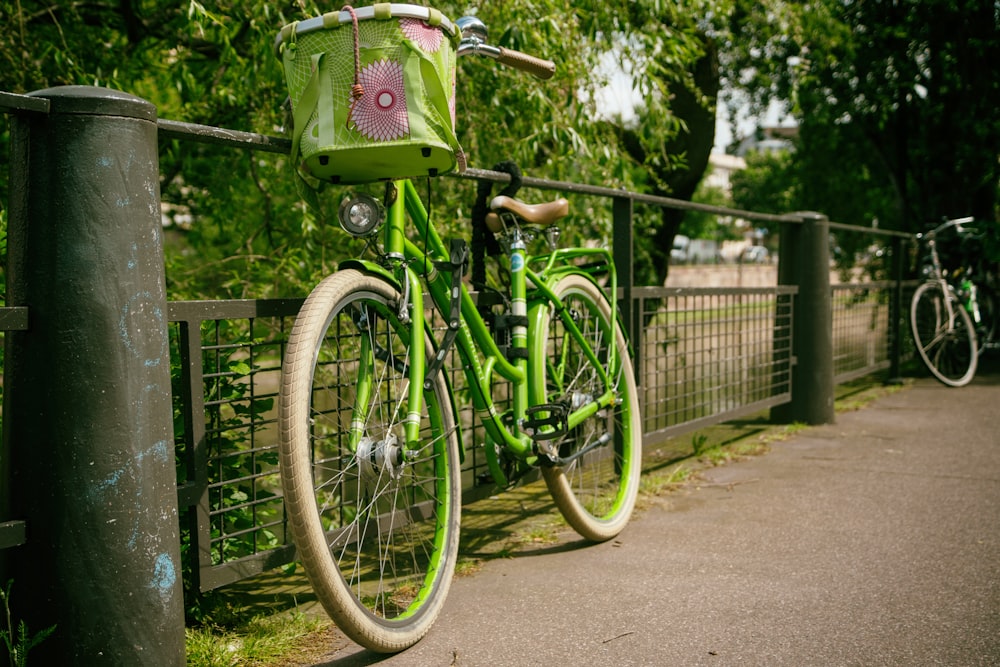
(543, 69)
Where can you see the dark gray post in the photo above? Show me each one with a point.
(88, 412)
(896, 310)
(623, 254)
(804, 260)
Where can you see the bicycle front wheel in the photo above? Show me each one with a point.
(595, 489)
(375, 518)
(943, 334)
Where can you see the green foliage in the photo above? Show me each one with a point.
(701, 225)
(18, 643)
(242, 461)
(240, 228)
(769, 183)
(896, 114)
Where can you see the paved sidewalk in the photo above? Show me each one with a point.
(872, 541)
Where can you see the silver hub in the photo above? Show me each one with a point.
(381, 459)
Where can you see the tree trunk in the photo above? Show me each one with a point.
(694, 142)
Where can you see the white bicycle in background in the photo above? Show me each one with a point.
(944, 316)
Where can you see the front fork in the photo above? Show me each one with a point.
(410, 313)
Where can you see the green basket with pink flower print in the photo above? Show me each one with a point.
(373, 94)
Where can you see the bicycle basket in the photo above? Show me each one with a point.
(372, 99)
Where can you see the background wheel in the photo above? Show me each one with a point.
(375, 519)
(947, 348)
(595, 492)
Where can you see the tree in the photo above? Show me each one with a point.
(674, 150)
(768, 183)
(214, 65)
(670, 53)
(704, 225)
(895, 106)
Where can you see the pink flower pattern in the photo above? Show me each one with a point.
(425, 36)
(381, 113)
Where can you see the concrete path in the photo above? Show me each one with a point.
(872, 541)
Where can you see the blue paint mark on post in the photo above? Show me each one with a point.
(164, 575)
(138, 312)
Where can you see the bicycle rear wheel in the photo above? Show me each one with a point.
(375, 519)
(595, 491)
(944, 336)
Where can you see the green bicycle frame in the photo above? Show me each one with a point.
(481, 356)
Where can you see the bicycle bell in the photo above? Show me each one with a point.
(472, 29)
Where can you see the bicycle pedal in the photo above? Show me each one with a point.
(556, 424)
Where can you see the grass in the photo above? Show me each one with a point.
(466, 567)
(657, 484)
(514, 522)
(20, 642)
(262, 640)
(853, 397)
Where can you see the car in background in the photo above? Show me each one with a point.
(694, 251)
(678, 253)
(755, 254)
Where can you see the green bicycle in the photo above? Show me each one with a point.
(369, 440)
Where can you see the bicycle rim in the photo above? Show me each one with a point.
(375, 519)
(945, 338)
(596, 491)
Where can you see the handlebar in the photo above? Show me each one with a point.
(955, 222)
(473, 42)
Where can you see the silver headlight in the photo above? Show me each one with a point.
(361, 215)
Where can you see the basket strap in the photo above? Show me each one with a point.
(326, 110)
(415, 68)
(357, 90)
(301, 113)
(302, 110)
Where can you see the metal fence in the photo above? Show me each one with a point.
(703, 356)
(706, 356)
(709, 354)
(861, 331)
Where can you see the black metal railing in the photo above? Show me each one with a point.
(13, 530)
(706, 356)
